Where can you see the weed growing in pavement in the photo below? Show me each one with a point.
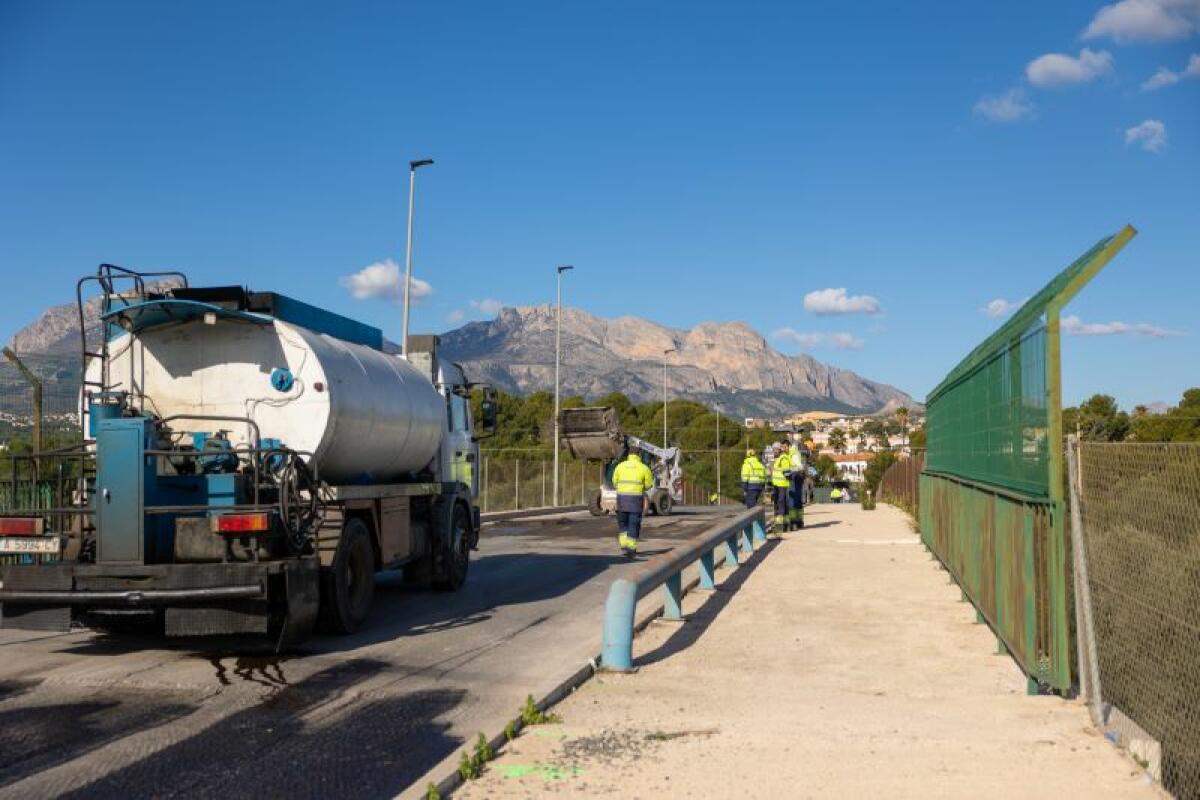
(432, 793)
(510, 731)
(483, 750)
(468, 767)
(532, 715)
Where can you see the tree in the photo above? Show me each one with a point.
(901, 414)
(874, 472)
(837, 440)
(917, 438)
(1098, 419)
(1180, 423)
(826, 468)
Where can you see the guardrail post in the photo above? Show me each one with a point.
(708, 571)
(673, 597)
(747, 545)
(760, 532)
(616, 652)
(731, 552)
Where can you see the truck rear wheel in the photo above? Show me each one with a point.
(348, 586)
(594, 507)
(664, 505)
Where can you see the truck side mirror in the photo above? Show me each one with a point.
(488, 411)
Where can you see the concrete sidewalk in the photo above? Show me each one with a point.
(844, 665)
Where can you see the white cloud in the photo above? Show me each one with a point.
(381, 281)
(1076, 327)
(1165, 77)
(456, 316)
(1056, 70)
(1151, 135)
(836, 301)
(808, 341)
(487, 306)
(1145, 21)
(998, 308)
(1012, 106)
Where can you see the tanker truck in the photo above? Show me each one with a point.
(247, 463)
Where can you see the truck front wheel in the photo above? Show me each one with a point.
(452, 562)
(348, 586)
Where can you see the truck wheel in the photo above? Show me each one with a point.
(348, 587)
(594, 507)
(664, 505)
(454, 555)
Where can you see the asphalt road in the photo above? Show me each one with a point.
(369, 715)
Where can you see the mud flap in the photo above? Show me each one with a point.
(302, 600)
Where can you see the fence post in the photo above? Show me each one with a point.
(543, 483)
(485, 483)
(582, 479)
(517, 489)
(1089, 666)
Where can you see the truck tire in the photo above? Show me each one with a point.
(594, 507)
(348, 586)
(453, 555)
(664, 505)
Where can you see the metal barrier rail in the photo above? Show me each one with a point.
(501, 516)
(666, 570)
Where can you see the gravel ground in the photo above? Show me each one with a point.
(843, 665)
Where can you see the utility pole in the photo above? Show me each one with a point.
(557, 367)
(718, 407)
(666, 353)
(413, 166)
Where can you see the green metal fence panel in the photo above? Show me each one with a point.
(991, 495)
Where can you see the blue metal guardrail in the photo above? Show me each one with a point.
(739, 533)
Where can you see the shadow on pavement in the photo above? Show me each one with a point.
(699, 620)
(292, 745)
(36, 737)
(808, 526)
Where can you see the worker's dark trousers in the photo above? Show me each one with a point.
(780, 495)
(630, 523)
(752, 492)
(796, 500)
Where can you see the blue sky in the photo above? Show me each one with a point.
(695, 161)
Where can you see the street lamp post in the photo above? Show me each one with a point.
(557, 363)
(718, 407)
(413, 166)
(666, 353)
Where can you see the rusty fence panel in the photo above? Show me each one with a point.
(991, 499)
(901, 484)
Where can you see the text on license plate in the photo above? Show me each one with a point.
(29, 544)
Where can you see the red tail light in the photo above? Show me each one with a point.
(241, 523)
(21, 526)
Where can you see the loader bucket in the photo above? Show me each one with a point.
(591, 433)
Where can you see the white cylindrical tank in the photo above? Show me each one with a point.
(365, 416)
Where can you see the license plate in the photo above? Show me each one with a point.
(30, 544)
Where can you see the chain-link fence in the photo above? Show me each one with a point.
(58, 378)
(1137, 566)
(508, 482)
(901, 484)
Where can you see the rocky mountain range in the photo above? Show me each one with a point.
(726, 363)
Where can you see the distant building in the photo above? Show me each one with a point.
(852, 466)
(755, 422)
